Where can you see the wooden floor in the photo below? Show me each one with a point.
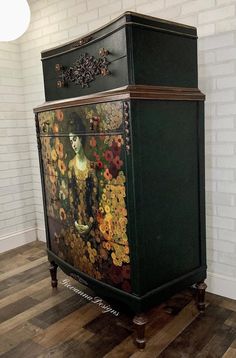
(37, 321)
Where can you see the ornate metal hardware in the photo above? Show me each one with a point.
(83, 71)
(105, 72)
(127, 131)
(82, 42)
(103, 52)
(58, 67)
(60, 84)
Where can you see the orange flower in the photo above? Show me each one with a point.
(59, 149)
(61, 166)
(53, 179)
(55, 128)
(62, 214)
(107, 174)
(59, 115)
(93, 142)
(119, 140)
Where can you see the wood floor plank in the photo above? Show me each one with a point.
(59, 311)
(23, 268)
(33, 311)
(67, 327)
(231, 321)
(34, 289)
(23, 280)
(231, 351)
(17, 335)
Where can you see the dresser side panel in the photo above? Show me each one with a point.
(166, 170)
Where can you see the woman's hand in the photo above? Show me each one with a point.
(82, 229)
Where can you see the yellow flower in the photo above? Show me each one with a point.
(107, 209)
(54, 155)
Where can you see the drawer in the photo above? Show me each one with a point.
(97, 66)
(95, 118)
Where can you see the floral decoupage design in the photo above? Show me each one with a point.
(85, 191)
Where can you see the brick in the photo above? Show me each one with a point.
(150, 7)
(223, 123)
(226, 109)
(217, 14)
(196, 6)
(128, 4)
(226, 54)
(216, 41)
(110, 9)
(219, 174)
(221, 96)
(94, 4)
(221, 223)
(226, 187)
(226, 25)
(206, 30)
(220, 149)
(68, 23)
(78, 10)
(226, 136)
(228, 211)
(226, 235)
(226, 82)
(220, 199)
(98, 23)
(171, 13)
(217, 70)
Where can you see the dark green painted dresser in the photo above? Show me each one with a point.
(121, 151)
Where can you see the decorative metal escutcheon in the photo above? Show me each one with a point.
(82, 71)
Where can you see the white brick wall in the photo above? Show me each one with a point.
(21, 88)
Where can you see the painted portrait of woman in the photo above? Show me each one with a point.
(83, 183)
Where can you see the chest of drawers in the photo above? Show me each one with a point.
(123, 170)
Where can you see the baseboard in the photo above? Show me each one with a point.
(41, 236)
(221, 285)
(15, 239)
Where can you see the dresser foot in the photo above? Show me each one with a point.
(53, 272)
(140, 321)
(201, 288)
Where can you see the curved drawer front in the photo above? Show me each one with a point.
(88, 69)
(88, 119)
(86, 205)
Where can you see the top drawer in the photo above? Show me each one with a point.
(98, 65)
(88, 119)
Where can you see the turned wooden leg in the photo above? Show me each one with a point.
(140, 321)
(53, 272)
(201, 288)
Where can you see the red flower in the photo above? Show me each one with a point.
(108, 155)
(118, 163)
(99, 164)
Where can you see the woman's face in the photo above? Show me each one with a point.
(75, 142)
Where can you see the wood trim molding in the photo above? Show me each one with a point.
(128, 92)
